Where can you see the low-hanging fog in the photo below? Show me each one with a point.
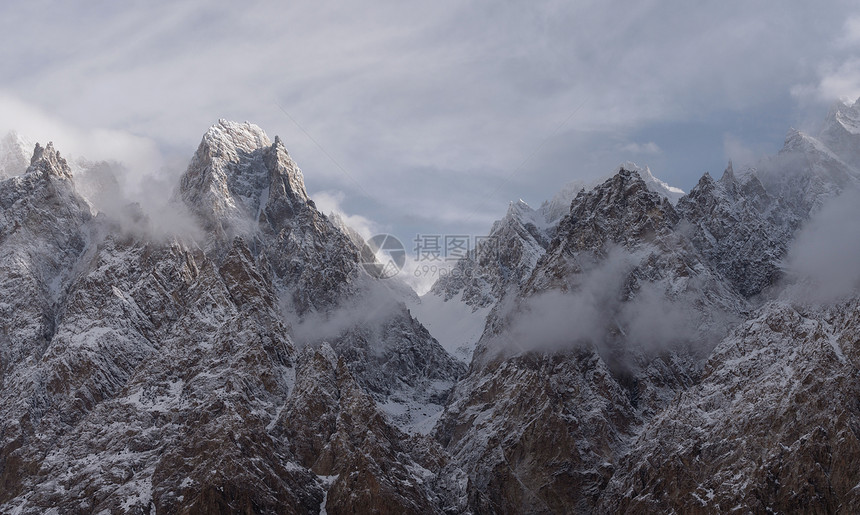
(823, 262)
(602, 307)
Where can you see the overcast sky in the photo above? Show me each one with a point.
(430, 116)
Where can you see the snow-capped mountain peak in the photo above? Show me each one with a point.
(236, 172)
(841, 132)
(559, 204)
(518, 207)
(654, 184)
(729, 173)
(283, 165)
(523, 213)
(845, 114)
(229, 137)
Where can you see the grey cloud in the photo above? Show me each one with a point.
(387, 87)
(824, 259)
(596, 310)
(146, 209)
(376, 303)
(838, 76)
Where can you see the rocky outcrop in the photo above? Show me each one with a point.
(155, 391)
(507, 256)
(44, 229)
(239, 183)
(537, 433)
(337, 431)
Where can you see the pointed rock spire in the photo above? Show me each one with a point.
(237, 172)
(48, 161)
(728, 175)
(518, 208)
(281, 165)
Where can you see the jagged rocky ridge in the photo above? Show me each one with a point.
(588, 382)
(514, 244)
(720, 250)
(637, 352)
(160, 375)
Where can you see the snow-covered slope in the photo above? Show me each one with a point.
(805, 174)
(771, 428)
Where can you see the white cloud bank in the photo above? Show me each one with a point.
(824, 259)
(135, 152)
(839, 72)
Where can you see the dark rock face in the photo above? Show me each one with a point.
(336, 430)
(164, 372)
(740, 229)
(539, 434)
(399, 364)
